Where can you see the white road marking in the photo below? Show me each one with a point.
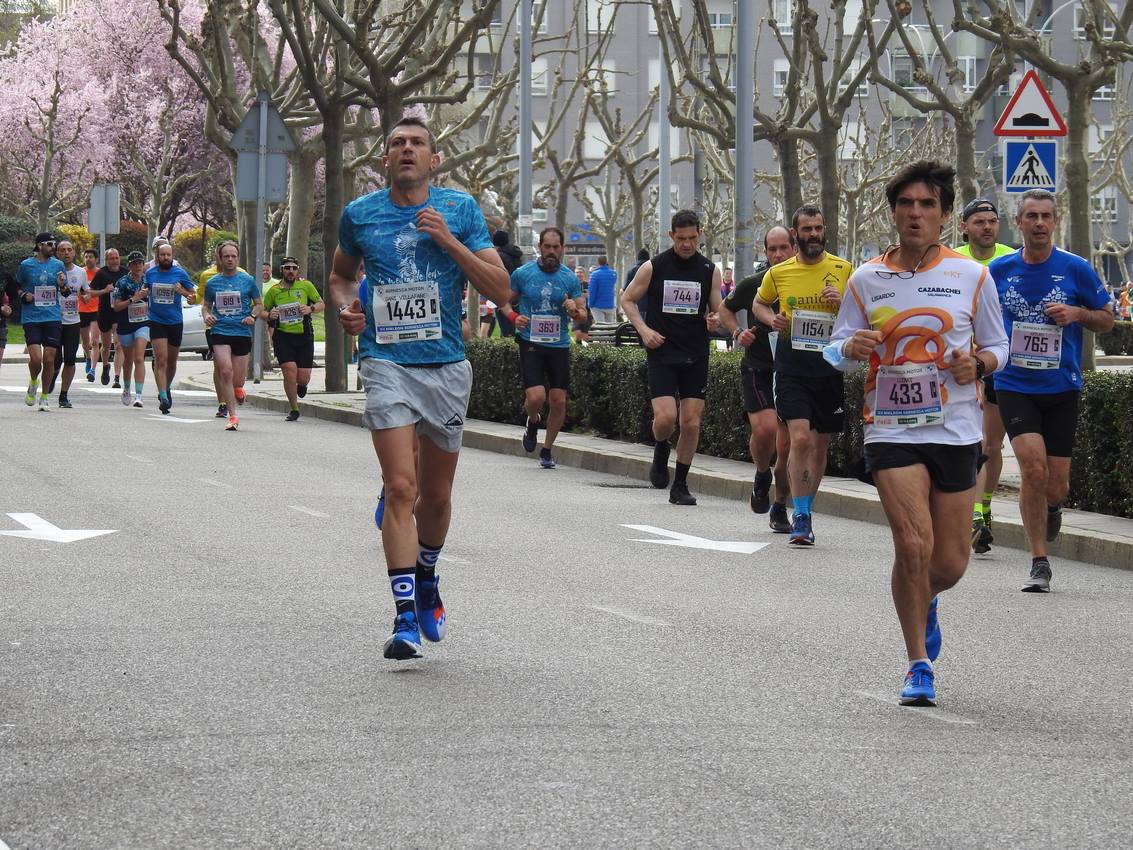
(139, 458)
(309, 512)
(4, 846)
(40, 529)
(214, 483)
(170, 418)
(629, 615)
(452, 559)
(691, 541)
(925, 711)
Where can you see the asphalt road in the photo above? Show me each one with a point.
(210, 673)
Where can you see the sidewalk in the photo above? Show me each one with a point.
(1092, 538)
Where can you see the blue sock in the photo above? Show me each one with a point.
(403, 584)
(138, 386)
(427, 561)
(802, 504)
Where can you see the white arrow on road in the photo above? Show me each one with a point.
(690, 541)
(40, 529)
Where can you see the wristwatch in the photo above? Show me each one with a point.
(980, 369)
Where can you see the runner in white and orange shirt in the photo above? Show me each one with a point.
(928, 322)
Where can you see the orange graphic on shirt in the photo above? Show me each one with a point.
(908, 343)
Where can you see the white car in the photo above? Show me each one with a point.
(193, 334)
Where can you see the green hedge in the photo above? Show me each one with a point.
(1119, 340)
(610, 398)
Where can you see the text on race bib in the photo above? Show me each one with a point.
(811, 329)
(228, 303)
(908, 396)
(1036, 346)
(46, 296)
(681, 297)
(162, 293)
(70, 306)
(407, 312)
(545, 328)
(289, 314)
(138, 311)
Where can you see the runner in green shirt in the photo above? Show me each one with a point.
(288, 307)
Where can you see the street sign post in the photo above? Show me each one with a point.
(262, 143)
(1030, 127)
(105, 214)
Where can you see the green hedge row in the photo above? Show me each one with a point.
(1119, 340)
(610, 398)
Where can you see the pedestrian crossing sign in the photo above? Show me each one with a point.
(1029, 164)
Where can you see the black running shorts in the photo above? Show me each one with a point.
(683, 380)
(952, 469)
(1052, 415)
(758, 389)
(990, 395)
(543, 365)
(817, 400)
(68, 348)
(241, 345)
(294, 348)
(173, 333)
(47, 334)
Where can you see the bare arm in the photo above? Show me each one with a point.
(763, 313)
(344, 292)
(484, 269)
(634, 293)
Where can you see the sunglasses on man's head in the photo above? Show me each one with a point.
(289, 268)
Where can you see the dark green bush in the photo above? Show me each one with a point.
(1117, 341)
(1101, 471)
(16, 229)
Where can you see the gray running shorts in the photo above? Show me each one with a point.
(435, 399)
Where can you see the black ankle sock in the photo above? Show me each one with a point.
(660, 453)
(682, 472)
(1038, 558)
(544, 452)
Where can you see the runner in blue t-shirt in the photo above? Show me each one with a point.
(230, 306)
(1048, 295)
(548, 296)
(167, 283)
(41, 278)
(131, 299)
(420, 245)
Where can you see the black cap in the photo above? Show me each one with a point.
(979, 205)
(136, 257)
(46, 236)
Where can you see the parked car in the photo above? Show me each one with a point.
(193, 336)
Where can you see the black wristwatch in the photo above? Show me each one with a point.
(980, 369)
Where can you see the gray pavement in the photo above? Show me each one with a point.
(209, 674)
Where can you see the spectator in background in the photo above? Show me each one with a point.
(642, 257)
(603, 282)
(512, 258)
(727, 284)
(582, 329)
(267, 279)
(1123, 304)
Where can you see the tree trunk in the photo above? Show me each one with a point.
(301, 206)
(792, 179)
(334, 120)
(966, 183)
(1081, 240)
(826, 146)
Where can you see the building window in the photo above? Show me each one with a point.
(1104, 93)
(903, 74)
(783, 13)
(1011, 85)
(851, 72)
(905, 132)
(539, 76)
(720, 20)
(727, 71)
(1109, 28)
(1103, 206)
(967, 64)
(599, 15)
(595, 145)
(484, 76)
(780, 74)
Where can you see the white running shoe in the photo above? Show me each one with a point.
(44, 403)
(126, 397)
(138, 400)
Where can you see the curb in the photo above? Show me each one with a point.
(1091, 542)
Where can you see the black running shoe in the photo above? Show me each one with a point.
(1053, 523)
(293, 416)
(778, 520)
(222, 411)
(659, 472)
(117, 383)
(679, 494)
(301, 390)
(1039, 580)
(761, 493)
(105, 375)
(981, 537)
(530, 435)
(163, 403)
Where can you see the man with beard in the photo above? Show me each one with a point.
(548, 296)
(41, 278)
(167, 284)
(682, 291)
(979, 222)
(101, 287)
(288, 307)
(808, 391)
(132, 305)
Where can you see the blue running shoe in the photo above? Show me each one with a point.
(405, 642)
(530, 434)
(919, 688)
(546, 461)
(380, 510)
(801, 533)
(430, 609)
(932, 631)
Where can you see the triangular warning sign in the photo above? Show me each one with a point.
(1030, 112)
(1030, 173)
